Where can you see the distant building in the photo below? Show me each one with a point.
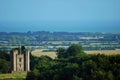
(20, 60)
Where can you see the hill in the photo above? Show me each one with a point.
(45, 39)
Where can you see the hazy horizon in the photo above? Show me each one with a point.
(60, 15)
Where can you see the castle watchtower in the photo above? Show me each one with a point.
(20, 60)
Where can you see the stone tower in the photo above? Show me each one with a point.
(20, 60)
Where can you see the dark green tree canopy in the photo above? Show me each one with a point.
(61, 52)
(73, 50)
(4, 62)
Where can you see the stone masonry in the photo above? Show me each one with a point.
(20, 62)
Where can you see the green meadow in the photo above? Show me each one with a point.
(13, 76)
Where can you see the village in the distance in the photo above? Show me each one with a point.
(50, 41)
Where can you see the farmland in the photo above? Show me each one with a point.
(54, 40)
(106, 52)
(39, 53)
(46, 43)
(53, 55)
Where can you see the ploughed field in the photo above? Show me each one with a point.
(39, 52)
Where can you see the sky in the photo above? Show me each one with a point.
(60, 15)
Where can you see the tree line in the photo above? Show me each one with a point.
(74, 64)
(71, 64)
(4, 62)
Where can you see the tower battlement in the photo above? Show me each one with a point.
(20, 61)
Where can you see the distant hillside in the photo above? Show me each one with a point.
(88, 40)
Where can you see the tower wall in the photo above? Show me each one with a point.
(20, 62)
(15, 52)
(27, 60)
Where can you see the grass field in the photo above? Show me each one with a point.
(13, 76)
(53, 55)
(39, 53)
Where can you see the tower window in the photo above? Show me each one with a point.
(20, 59)
(20, 65)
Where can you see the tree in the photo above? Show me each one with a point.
(74, 50)
(4, 66)
(83, 67)
(4, 55)
(61, 53)
(4, 62)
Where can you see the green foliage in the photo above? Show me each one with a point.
(76, 65)
(73, 50)
(33, 61)
(43, 38)
(4, 62)
(22, 48)
(4, 55)
(4, 66)
(61, 53)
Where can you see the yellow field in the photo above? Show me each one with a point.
(53, 55)
(106, 52)
(39, 53)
